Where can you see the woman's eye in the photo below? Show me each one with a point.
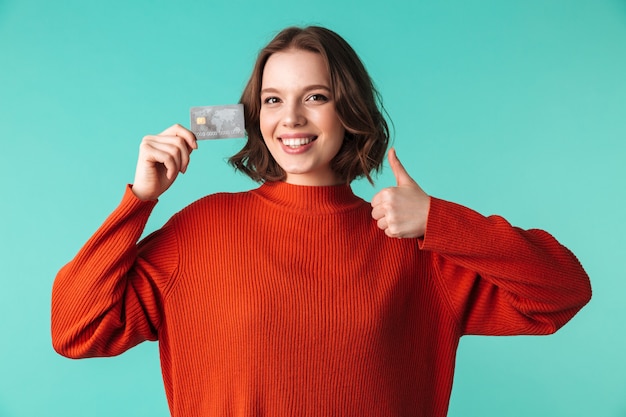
(270, 100)
(317, 97)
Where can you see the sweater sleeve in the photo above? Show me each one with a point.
(500, 279)
(108, 298)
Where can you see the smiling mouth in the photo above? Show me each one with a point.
(297, 142)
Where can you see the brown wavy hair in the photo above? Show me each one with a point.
(357, 102)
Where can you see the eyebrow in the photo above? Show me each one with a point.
(307, 88)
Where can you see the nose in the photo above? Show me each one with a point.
(293, 115)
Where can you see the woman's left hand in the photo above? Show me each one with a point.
(401, 211)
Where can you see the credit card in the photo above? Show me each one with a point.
(218, 122)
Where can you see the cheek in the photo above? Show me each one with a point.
(262, 122)
(338, 129)
(331, 123)
(267, 125)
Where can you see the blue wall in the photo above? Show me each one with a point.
(510, 107)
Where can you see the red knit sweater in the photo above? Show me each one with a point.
(289, 301)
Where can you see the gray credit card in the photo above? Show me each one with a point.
(218, 122)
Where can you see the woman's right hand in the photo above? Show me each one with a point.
(161, 158)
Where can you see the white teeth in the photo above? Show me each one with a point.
(294, 142)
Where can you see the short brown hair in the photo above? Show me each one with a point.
(357, 103)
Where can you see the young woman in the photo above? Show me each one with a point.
(298, 298)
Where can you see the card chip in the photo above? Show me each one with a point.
(201, 120)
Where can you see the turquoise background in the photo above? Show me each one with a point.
(509, 107)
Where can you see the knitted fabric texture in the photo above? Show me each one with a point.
(289, 301)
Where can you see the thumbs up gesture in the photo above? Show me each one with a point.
(401, 211)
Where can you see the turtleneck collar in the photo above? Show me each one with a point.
(309, 199)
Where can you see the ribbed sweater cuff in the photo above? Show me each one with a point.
(448, 223)
(130, 205)
(130, 198)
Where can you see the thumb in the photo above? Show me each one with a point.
(402, 177)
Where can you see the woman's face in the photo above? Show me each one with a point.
(299, 123)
